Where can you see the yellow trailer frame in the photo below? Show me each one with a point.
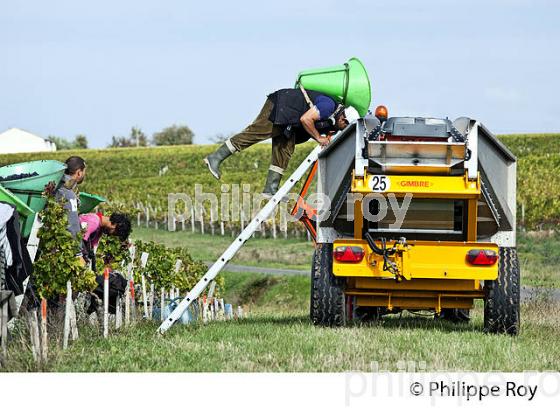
(432, 274)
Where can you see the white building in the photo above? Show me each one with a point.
(15, 140)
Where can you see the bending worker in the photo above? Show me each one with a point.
(289, 116)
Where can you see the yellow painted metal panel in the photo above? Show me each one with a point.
(415, 303)
(421, 259)
(456, 285)
(421, 186)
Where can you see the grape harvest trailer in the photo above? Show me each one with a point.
(455, 244)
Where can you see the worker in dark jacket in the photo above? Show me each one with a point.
(73, 176)
(289, 116)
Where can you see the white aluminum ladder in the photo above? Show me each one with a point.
(230, 252)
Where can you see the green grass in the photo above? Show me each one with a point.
(267, 292)
(539, 254)
(273, 253)
(277, 336)
(539, 257)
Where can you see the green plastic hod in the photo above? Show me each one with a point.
(348, 84)
(88, 202)
(30, 190)
(25, 213)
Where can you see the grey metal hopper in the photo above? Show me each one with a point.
(412, 158)
(464, 145)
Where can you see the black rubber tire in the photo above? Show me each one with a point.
(328, 302)
(502, 296)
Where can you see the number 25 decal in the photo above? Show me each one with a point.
(380, 183)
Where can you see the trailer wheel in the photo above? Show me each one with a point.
(502, 296)
(328, 302)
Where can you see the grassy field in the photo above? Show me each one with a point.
(277, 336)
(288, 253)
(539, 253)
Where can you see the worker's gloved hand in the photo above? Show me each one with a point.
(324, 141)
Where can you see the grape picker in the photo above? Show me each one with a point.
(289, 116)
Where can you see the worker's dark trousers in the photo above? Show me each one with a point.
(262, 129)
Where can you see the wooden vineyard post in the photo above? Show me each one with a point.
(144, 297)
(161, 303)
(154, 214)
(212, 309)
(128, 303)
(34, 334)
(106, 302)
(283, 224)
(147, 211)
(67, 315)
(212, 289)
(216, 309)
(274, 228)
(174, 293)
(73, 321)
(204, 310)
(143, 262)
(44, 334)
(222, 309)
(152, 292)
(212, 220)
(132, 295)
(192, 219)
(118, 313)
(201, 220)
(222, 230)
(199, 310)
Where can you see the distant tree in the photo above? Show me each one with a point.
(80, 141)
(137, 138)
(60, 142)
(174, 135)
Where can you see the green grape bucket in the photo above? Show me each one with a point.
(348, 84)
(25, 213)
(29, 189)
(88, 202)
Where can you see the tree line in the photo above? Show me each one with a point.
(173, 135)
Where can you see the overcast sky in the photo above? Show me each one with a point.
(100, 67)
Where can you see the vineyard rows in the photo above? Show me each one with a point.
(142, 178)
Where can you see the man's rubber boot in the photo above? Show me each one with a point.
(214, 160)
(272, 183)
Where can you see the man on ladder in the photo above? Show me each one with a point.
(289, 116)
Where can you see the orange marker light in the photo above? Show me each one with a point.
(381, 112)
